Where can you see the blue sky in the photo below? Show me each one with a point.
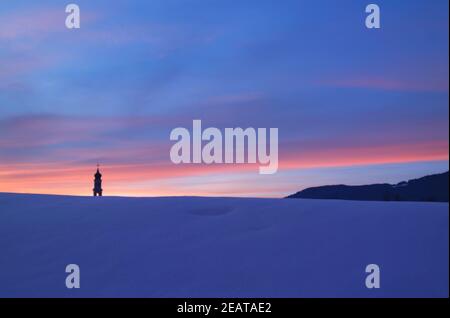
(352, 105)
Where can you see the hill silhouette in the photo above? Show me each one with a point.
(433, 188)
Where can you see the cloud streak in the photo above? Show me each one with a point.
(57, 154)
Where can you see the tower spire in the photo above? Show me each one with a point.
(98, 191)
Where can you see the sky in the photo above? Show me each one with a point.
(352, 105)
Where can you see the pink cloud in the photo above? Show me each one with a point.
(37, 23)
(36, 151)
(31, 23)
(154, 174)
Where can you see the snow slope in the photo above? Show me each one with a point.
(216, 247)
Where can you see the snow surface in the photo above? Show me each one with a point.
(218, 247)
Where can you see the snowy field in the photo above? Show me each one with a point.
(215, 247)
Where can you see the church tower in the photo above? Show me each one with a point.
(98, 191)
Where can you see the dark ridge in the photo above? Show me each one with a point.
(433, 188)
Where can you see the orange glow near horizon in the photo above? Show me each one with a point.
(154, 179)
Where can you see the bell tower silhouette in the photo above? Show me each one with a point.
(98, 191)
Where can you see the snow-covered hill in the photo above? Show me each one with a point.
(216, 247)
